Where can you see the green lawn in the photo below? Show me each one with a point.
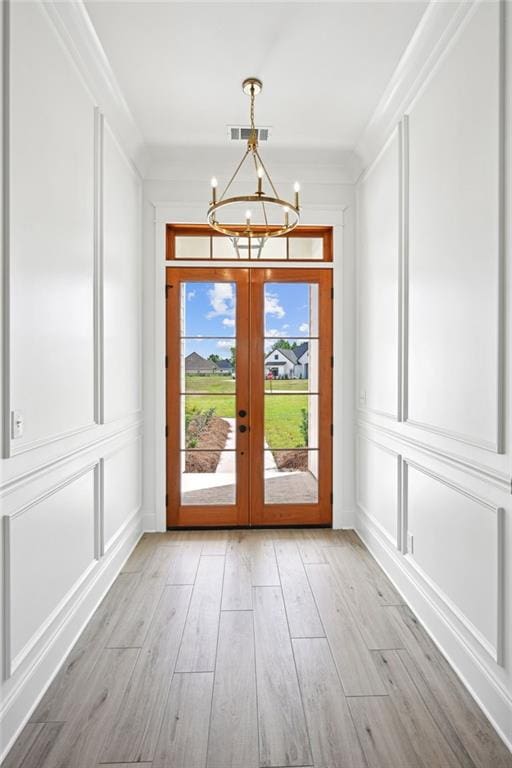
(212, 384)
(220, 384)
(283, 413)
(283, 418)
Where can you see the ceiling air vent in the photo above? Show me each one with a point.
(241, 133)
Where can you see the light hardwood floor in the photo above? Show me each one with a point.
(241, 649)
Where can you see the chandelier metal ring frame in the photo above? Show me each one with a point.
(290, 212)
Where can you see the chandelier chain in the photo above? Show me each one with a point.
(235, 173)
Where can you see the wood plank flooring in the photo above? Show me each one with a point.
(247, 649)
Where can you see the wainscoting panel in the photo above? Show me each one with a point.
(378, 487)
(122, 489)
(454, 314)
(378, 285)
(455, 540)
(51, 248)
(50, 544)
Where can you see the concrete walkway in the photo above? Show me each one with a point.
(227, 463)
(197, 487)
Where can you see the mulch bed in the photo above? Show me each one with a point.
(213, 439)
(291, 460)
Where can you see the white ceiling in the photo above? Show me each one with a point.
(324, 66)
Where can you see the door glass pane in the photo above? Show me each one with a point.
(207, 368)
(192, 247)
(208, 365)
(310, 248)
(274, 248)
(223, 248)
(208, 477)
(291, 421)
(208, 422)
(208, 310)
(291, 365)
(291, 477)
(291, 310)
(271, 248)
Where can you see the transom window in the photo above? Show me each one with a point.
(198, 242)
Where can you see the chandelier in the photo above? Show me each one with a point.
(266, 213)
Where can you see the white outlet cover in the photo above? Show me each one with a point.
(17, 424)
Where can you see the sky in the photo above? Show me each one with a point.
(210, 311)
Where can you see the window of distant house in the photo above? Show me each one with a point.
(198, 242)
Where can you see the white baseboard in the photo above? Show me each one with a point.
(33, 682)
(476, 677)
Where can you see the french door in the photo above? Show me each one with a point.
(249, 396)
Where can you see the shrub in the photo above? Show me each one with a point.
(196, 422)
(304, 426)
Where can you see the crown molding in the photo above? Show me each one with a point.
(77, 33)
(433, 35)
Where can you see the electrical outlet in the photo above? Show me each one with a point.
(362, 396)
(16, 424)
(410, 543)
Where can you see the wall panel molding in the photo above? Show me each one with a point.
(380, 311)
(403, 268)
(99, 394)
(457, 436)
(501, 480)
(394, 541)
(106, 546)
(10, 662)
(363, 410)
(497, 444)
(489, 692)
(52, 318)
(33, 678)
(14, 483)
(495, 651)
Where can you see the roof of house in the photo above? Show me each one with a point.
(195, 362)
(299, 351)
(293, 355)
(225, 364)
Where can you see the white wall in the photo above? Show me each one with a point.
(433, 420)
(176, 190)
(71, 485)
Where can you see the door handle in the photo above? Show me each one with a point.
(243, 428)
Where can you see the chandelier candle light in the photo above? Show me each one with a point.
(273, 215)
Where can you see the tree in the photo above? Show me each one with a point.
(233, 357)
(282, 344)
(214, 358)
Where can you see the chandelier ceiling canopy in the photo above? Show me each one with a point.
(260, 214)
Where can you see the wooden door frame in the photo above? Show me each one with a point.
(214, 515)
(293, 513)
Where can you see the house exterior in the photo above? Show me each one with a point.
(225, 367)
(288, 363)
(195, 364)
(302, 355)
